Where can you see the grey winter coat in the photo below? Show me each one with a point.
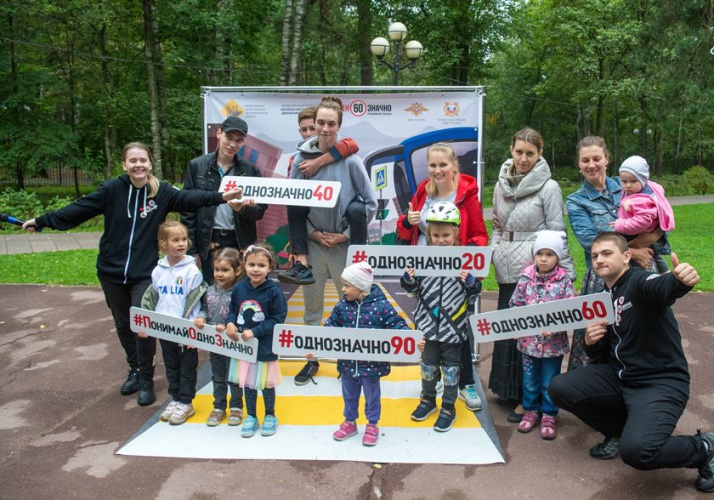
(523, 205)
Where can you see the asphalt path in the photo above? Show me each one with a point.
(62, 418)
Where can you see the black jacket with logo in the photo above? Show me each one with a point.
(128, 249)
(644, 343)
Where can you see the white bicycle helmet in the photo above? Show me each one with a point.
(444, 211)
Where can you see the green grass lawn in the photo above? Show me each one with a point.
(691, 240)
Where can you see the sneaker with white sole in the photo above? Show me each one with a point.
(347, 429)
(469, 396)
(445, 421)
(168, 411)
(371, 435)
(250, 427)
(216, 417)
(182, 413)
(235, 417)
(424, 409)
(270, 426)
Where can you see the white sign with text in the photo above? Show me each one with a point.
(556, 316)
(296, 192)
(392, 260)
(183, 331)
(359, 344)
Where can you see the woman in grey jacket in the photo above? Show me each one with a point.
(526, 200)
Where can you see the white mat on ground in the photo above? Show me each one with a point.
(309, 415)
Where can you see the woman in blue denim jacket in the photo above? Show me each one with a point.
(591, 209)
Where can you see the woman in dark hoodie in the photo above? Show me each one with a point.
(134, 206)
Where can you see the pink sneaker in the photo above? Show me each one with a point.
(371, 435)
(529, 420)
(347, 429)
(547, 427)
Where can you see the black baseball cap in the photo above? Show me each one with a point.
(233, 123)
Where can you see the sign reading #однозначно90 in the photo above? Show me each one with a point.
(359, 344)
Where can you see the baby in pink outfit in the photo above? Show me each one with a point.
(643, 206)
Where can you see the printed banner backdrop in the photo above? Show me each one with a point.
(393, 131)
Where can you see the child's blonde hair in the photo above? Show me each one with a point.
(261, 247)
(232, 256)
(454, 228)
(165, 230)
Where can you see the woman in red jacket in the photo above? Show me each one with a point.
(446, 183)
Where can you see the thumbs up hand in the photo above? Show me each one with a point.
(684, 272)
(413, 216)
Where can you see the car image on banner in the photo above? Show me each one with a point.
(393, 131)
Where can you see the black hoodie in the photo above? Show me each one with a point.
(128, 249)
(644, 343)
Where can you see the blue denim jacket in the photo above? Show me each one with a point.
(591, 211)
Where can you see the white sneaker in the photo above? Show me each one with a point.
(468, 395)
(181, 414)
(168, 411)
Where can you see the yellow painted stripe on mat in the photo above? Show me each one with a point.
(327, 410)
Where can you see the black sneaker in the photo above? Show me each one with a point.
(705, 481)
(297, 275)
(146, 393)
(131, 384)
(607, 450)
(424, 409)
(308, 371)
(445, 420)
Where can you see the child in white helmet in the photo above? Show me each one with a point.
(441, 313)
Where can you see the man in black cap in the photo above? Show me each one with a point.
(231, 224)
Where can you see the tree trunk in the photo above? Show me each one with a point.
(20, 178)
(364, 39)
(106, 97)
(149, 16)
(285, 44)
(296, 51)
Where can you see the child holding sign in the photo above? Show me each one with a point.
(363, 306)
(214, 311)
(257, 305)
(176, 289)
(441, 313)
(543, 281)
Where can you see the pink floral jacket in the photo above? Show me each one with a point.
(535, 288)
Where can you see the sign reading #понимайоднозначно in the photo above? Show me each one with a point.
(296, 192)
(183, 331)
(359, 344)
(392, 260)
(556, 316)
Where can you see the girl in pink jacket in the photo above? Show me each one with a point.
(643, 207)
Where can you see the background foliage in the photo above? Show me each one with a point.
(79, 79)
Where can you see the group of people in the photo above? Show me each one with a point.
(627, 380)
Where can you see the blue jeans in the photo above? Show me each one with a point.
(537, 374)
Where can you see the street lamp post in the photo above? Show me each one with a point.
(380, 47)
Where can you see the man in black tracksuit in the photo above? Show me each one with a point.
(233, 224)
(638, 386)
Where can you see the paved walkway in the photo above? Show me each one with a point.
(53, 241)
